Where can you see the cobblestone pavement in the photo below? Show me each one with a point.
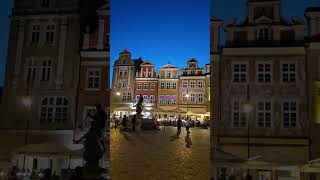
(153, 155)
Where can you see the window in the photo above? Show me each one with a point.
(239, 117)
(167, 99)
(162, 85)
(264, 114)
(289, 114)
(120, 72)
(31, 70)
(161, 100)
(174, 85)
(124, 96)
(184, 98)
(146, 86)
(168, 85)
(173, 99)
(289, 73)
(54, 110)
(50, 34)
(144, 74)
(200, 98)
(239, 73)
(145, 98)
(264, 34)
(46, 70)
(35, 34)
(149, 74)
(152, 99)
(125, 72)
(193, 98)
(93, 78)
(184, 84)
(124, 84)
(264, 73)
(192, 84)
(153, 86)
(139, 86)
(129, 96)
(168, 74)
(200, 84)
(45, 3)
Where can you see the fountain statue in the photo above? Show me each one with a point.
(146, 124)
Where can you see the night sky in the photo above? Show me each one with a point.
(162, 31)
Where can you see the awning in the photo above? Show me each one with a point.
(46, 149)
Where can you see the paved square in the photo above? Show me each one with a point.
(153, 155)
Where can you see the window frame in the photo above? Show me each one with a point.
(264, 111)
(95, 76)
(264, 77)
(282, 72)
(246, 73)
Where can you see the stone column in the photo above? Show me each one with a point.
(17, 68)
(62, 46)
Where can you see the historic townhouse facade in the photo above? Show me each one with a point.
(259, 103)
(168, 91)
(48, 77)
(192, 90)
(123, 84)
(146, 85)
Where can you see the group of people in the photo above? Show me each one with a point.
(45, 174)
(179, 125)
(191, 123)
(124, 122)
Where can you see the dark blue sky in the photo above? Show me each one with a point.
(161, 31)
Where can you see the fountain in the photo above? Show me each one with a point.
(146, 124)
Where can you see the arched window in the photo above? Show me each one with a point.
(54, 110)
(31, 70)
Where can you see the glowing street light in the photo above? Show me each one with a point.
(118, 94)
(26, 101)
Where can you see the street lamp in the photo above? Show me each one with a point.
(118, 96)
(26, 101)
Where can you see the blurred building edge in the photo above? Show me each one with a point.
(267, 63)
(50, 83)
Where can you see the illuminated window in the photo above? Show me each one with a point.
(173, 99)
(161, 100)
(167, 99)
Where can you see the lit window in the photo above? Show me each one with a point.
(167, 99)
(239, 73)
(289, 114)
(54, 110)
(239, 117)
(289, 73)
(46, 70)
(93, 78)
(145, 98)
(264, 73)
(173, 99)
(161, 100)
(264, 114)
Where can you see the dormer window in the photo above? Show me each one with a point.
(264, 34)
(45, 3)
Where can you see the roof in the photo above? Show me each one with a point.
(193, 60)
(168, 66)
(313, 9)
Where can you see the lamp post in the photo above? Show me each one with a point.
(248, 108)
(118, 96)
(26, 101)
(187, 95)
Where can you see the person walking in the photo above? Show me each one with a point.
(133, 121)
(124, 122)
(188, 125)
(179, 124)
(116, 123)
